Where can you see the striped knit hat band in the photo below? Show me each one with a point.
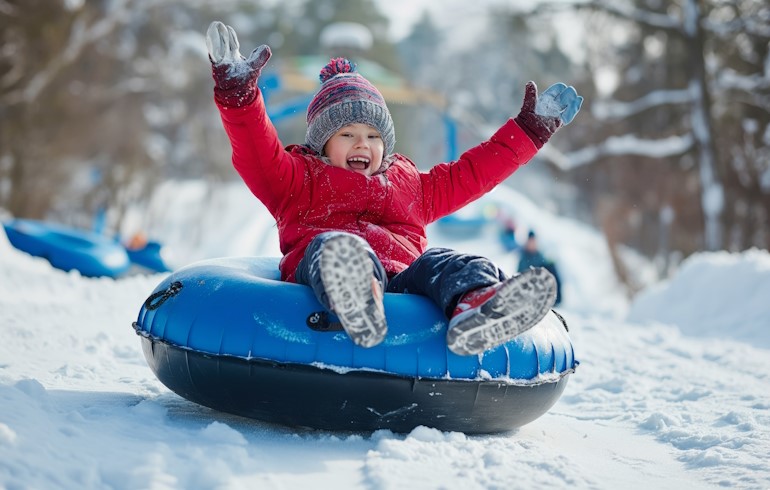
(345, 97)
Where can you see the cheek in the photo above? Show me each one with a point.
(335, 153)
(337, 161)
(377, 166)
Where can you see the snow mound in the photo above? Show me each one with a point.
(715, 294)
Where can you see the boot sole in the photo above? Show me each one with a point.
(346, 273)
(520, 303)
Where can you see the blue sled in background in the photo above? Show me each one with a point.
(91, 254)
(149, 256)
(461, 226)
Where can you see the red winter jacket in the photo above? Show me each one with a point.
(389, 210)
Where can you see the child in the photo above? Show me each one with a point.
(351, 213)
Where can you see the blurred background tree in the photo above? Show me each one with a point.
(102, 100)
(677, 158)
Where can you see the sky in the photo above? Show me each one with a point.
(672, 389)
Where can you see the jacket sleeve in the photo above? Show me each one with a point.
(448, 187)
(270, 172)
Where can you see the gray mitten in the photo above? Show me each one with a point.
(235, 77)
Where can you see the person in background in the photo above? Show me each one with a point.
(508, 234)
(532, 258)
(137, 241)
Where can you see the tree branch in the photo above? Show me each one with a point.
(727, 78)
(618, 146)
(7, 8)
(80, 36)
(629, 12)
(729, 29)
(640, 16)
(613, 109)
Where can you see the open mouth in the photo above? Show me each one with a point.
(358, 163)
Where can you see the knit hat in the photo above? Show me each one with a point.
(345, 97)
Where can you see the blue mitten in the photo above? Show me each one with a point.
(541, 115)
(560, 101)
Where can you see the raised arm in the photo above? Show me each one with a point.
(450, 186)
(258, 154)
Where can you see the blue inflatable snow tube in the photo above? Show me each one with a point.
(90, 253)
(228, 334)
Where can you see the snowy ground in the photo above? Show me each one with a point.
(674, 394)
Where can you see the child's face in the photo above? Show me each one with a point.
(357, 147)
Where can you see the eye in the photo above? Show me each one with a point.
(374, 136)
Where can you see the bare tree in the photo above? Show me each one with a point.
(712, 107)
(100, 100)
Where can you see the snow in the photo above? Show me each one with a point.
(702, 298)
(672, 390)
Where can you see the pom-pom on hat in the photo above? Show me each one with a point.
(346, 97)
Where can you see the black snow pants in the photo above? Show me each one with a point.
(441, 274)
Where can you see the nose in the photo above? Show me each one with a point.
(361, 142)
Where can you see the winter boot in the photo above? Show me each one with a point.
(355, 296)
(490, 316)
